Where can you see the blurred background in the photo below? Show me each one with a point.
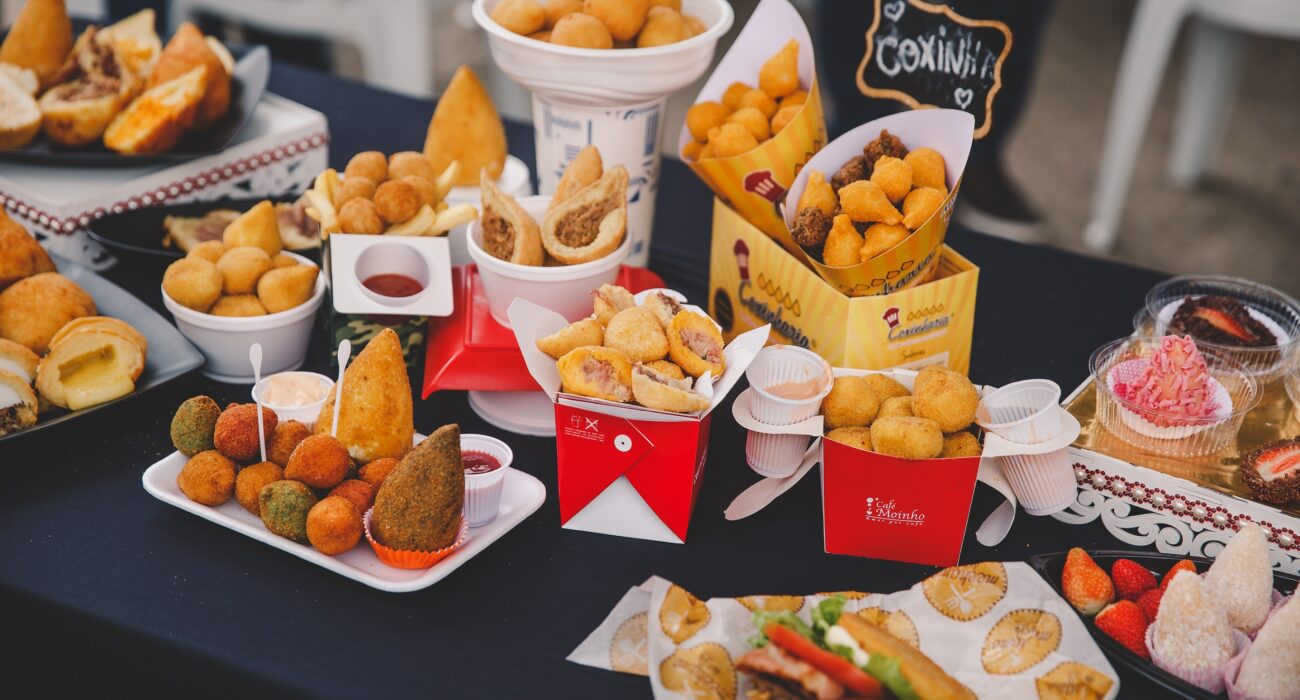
(1224, 200)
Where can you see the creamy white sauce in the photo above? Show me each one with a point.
(10, 366)
(293, 389)
(838, 636)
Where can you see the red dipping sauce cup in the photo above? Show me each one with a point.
(485, 459)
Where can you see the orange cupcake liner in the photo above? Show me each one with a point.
(413, 558)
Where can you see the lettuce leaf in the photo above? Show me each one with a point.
(889, 672)
(784, 618)
(826, 614)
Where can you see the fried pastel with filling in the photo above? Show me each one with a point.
(601, 373)
(663, 306)
(638, 333)
(609, 300)
(695, 344)
(592, 223)
(663, 392)
(89, 367)
(588, 331)
(584, 169)
(667, 368)
(509, 233)
(18, 403)
(865, 201)
(18, 359)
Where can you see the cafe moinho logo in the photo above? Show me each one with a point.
(781, 301)
(887, 511)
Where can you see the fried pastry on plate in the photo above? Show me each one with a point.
(663, 306)
(466, 129)
(32, 310)
(187, 50)
(638, 333)
(156, 120)
(18, 360)
(609, 300)
(20, 254)
(664, 392)
(592, 223)
(90, 90)
(584, 169)
(588, 331)
(375, 419)
(20, 116)
(600, 373)
(39, 39)
(695, 344)
(509, 232)
(18, 404)
(89, 367)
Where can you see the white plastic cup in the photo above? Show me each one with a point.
(1024, 412)
(483, 491)
(1044, 484)
(780, 455)
(307, 414)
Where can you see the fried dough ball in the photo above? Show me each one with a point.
(949, 399)
(601, 373)
(207, 478)
(193, 424)
(864, 201)
(692, 149)
(733, 94)
(886, 387)
(406, 163)
(894, 407)
(703, 116)
(284, 288)
(320, 461)
(281, 442)
(520, 16)
(360, 216)
(666, 368)
(609, 300)
(544, 35)
(696, 345)
(694, 24)
(193, 283)
(894, 177)
(582, 31)
(208, 250)
(818, 193)
(353, 187)
(241, 267)
(854, 169)
(908, 438)
(334, 525)
(284, 506)
(360, 493)
(732, 140)
(283, 260)
(376, 471)
(396, 201)
(235, 434)
(919, 205)
(783, 117)
(843, 243)
(368, 164)
(638, 333)
(676, 5)
(588, 331)
(851, 402)
(424, 188)
(853, 436)
(759, 100)
(928, 376)
(753, 121)
(238, 306)
(779, 76)
(663, 25)
(663, 306)
(961, 444)
(880, 238)
(557, 9)
(810, 228)
(794, 99)
(623, 17)
(886, 144)
(251, 479)
(927, 168)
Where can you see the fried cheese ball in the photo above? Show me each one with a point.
(894, 407)
(406, 163)
(588, 331)
(949, 399)
(674, 4)
(360, 216)
(759, 100)
(753, 121)
(193, 283)
(353, 187)
(666, 368)
(880, 238)
(520, 16)
(893, 176)
(320, 461)
(623, 17)
(375, 472)
(581, 30)
(779, 76)
(609, 300)
(928, 375)
(235, 434)
(733, 94)
(961, 444)
(282, 441)
(208, 250)
(663, 25)
(396, 201)
(424, 187)
(696, 345)
(368, 164)
(732, 140)
(360, 493)
(908, 438)
(251, 479)
(817, 193)
(886, 387)
(638, 333)
(193, 424)
(919, 205)
(794, 99)
(850, 403)
(783, 117)
(601, 373)
(843, 246)
(703, 116)
(927, 168)
(663, 306)
(207, 478)
(284, 288)
(238, 306)
(240, 268)
(558, 9)
(853, 436)
(334, 525)
(284, 506)
(282, 260)
(864, 201)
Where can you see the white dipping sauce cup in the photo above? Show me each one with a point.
(483, 491)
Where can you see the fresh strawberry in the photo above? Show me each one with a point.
(1131, 579)
(1225, 323)
(1125, 623)
(1150, 602)
(1184, 565)
(1279, 461)
(1086, 585)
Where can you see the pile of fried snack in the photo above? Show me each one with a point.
(856, 216)
(585, 220)
(246, 273)
(875, 412)
(599, 24)
(55, 352)
(297, 230)
(116, 83)
(748, 116)
(643, 354)
(315, 487)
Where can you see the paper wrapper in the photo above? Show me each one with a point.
(1209, 679)
(755, 182)
(999, 629)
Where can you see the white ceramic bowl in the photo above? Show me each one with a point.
(565, 289)
(515, 180)
(606, 77)
(307, 414)
(224, 340)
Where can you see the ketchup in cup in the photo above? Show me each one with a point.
(476, 462)
(392, 285)
(484, 459)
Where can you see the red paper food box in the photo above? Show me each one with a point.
(624, 469)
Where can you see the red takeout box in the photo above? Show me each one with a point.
(626, 470)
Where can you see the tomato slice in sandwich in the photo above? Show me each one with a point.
(840, 670)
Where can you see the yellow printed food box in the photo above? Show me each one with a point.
(926, 317)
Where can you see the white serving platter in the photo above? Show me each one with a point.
(521, 496)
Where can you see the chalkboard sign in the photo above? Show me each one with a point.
(926, 55)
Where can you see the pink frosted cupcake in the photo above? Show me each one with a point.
(1170, 394)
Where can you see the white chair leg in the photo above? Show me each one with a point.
(1214, 62)
(1146, 52)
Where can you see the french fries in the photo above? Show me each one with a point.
(434, 219)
